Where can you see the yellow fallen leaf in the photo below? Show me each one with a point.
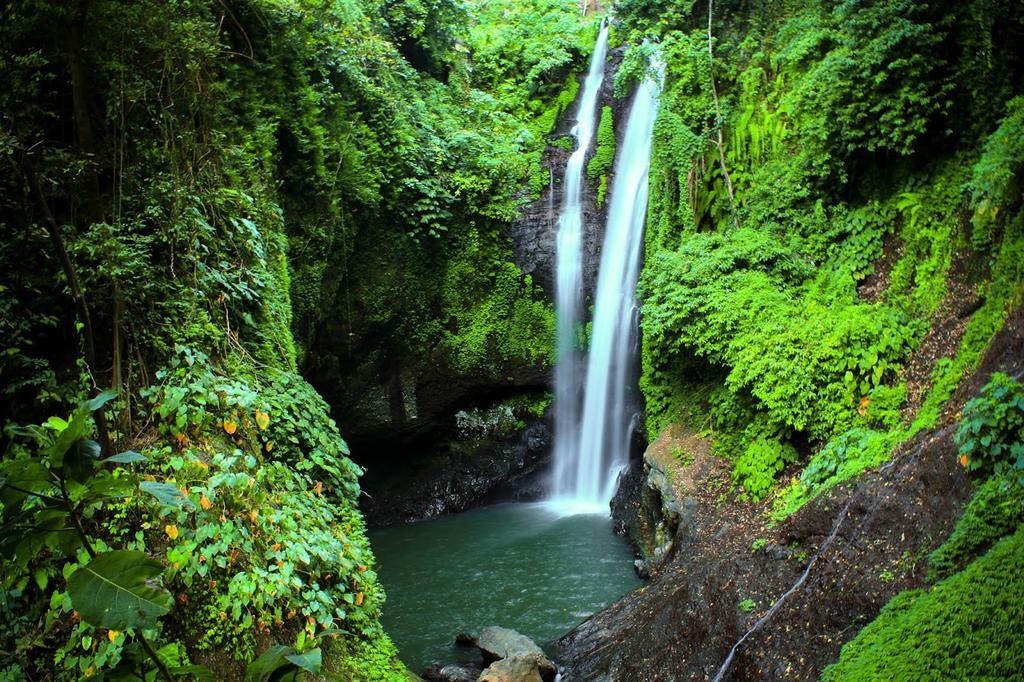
(172, 531)
(262, 419)
(204, 502)
(269, 446)
(112, 634)
(230, 425)
(359, 599)
(253, 515)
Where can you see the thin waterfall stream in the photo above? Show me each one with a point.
(569, 275)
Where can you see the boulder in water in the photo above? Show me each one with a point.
(452, 672)
(502, 644)
(519, 668)
(465, 639)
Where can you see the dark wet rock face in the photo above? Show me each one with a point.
(510, 468)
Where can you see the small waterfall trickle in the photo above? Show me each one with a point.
(569, 278)
(585, 479)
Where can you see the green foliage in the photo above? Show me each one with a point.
(732, 299)
(1003, 293)
(843, 130)
(48, 495)
(604, 154)
(964, 627)
(368, 661)
(881, 79)
(995, 182)
(991, 433)
(115, 591)
(760, 463)
(841, 459)
(844, 457)
(995, 510)
(512, 324)
(747, 605)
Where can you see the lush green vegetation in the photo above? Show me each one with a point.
(991, 435)
(204, 201)
(831, 185)
(786, 167)
(200, 199)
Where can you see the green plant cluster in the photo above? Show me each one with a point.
(843, 458)
(604, 154)
(760, 463)
(965, 627)
(991, 433)
(812, 144)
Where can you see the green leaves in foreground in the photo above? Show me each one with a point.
(280, 662)
(117, 590)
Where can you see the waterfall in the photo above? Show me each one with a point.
(568, 268)
(585, 480)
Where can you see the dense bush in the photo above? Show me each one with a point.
(991, 435)
(830, 120)
(244, 190)
(760, 463)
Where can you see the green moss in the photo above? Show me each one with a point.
(373, 659)
(966, 627)
(1002, 294)
(996, 510)
(495, 319)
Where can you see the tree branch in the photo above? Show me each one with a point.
(718, 120)
(76, 290)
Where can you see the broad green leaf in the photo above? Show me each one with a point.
(309, 661)
(267, 663)
(66, 438)
(88, 448)
(115, 591)
(99, 401)
(126, 457)
(166, 493)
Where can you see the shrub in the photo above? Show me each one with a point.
(760, 463)
(842, 458)
(991, 434)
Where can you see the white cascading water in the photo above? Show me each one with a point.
(568, 268)
(586, 480)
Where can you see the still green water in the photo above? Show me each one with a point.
(520, 566)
